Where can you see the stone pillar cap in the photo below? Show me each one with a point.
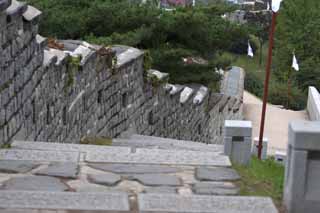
(305, 135)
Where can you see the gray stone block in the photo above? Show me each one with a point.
(16, 166)
(107, 202)
(34, 183)
(152, 156)
(204, 204)
(236, 128)
(161, 190)
(105, 179)
(34, 155)
(156, 179)
(135, 169)
(216, 174)
(215, 188)
(254, 150)
(304, 135)
(60, 169)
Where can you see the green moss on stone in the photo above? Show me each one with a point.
(101, 141)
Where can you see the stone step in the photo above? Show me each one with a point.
(159, 203)
(158, 156)
(106, 202)
(167, 143)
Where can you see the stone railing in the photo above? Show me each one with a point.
(313, 106)
(77, 89)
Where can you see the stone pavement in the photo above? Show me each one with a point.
(126, 177)
(277, 121)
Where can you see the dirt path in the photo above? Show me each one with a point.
(277, 120)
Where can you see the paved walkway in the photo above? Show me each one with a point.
(277, 120)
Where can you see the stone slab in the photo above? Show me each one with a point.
(216, 174)
(61, 169)
(35, 155)
(305, 135)
(112, 202)
(107, 179)
(161, 190)
(215, 188)
(34, 183)
(238, 128)
(204, 204)
(135, 169)
(152, 156)
(156, 179)
(11, 166)
(68, 147)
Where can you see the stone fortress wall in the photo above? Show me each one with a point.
(57, 95)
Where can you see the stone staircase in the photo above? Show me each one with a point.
(137, 174)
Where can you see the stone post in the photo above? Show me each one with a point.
(264, 148)
(237, 141)
(302, 185)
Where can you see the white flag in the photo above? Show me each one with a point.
(268, 6)
(276, 5)
(295, 64)
(250, 51)
(194, 3)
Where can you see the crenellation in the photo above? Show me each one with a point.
(80, 90)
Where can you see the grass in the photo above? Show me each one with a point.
(262, 178)
(96, 141)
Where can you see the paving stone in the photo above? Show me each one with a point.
(61, 169)
(16, 166)
(215, 188)
(35, 155)
(156, 179)
(216, 174)
(135, 169)
(161, 190)
(107, 179)
(152, 156)
(164, 203)
(107, 202)
(34, 183)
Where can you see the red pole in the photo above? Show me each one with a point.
(266, 83)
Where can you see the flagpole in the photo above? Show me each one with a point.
(266, 83)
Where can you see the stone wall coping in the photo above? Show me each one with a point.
(304, 135)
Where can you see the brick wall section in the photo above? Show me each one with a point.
(45, 96)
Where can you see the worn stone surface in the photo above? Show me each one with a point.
(215, 188)
(34, 155)
(34, 183)
(204, 204)
(107, 202)
(156, 179)
(161, 190)
(135, 169)
(16, 166)
(64, 170)
(107, 179)
(216, 174)
(152, 156)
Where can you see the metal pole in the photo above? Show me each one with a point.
(266, 83)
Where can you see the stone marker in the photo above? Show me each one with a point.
(164, 203)
(215, 188)
(216, 174)
(107, 179)
(156, 179)
(237, 141)
(61, 169)
(16, 166)
(152, 156)
(302, 185)
(35, 155)
(34, 183)
(107, 202)
(135, 169)
(254, 150)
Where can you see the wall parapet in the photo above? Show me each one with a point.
(313, 106)
(77, 89)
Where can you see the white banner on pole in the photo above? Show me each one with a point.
(250, 51)
(276, 5)
(295, 64)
